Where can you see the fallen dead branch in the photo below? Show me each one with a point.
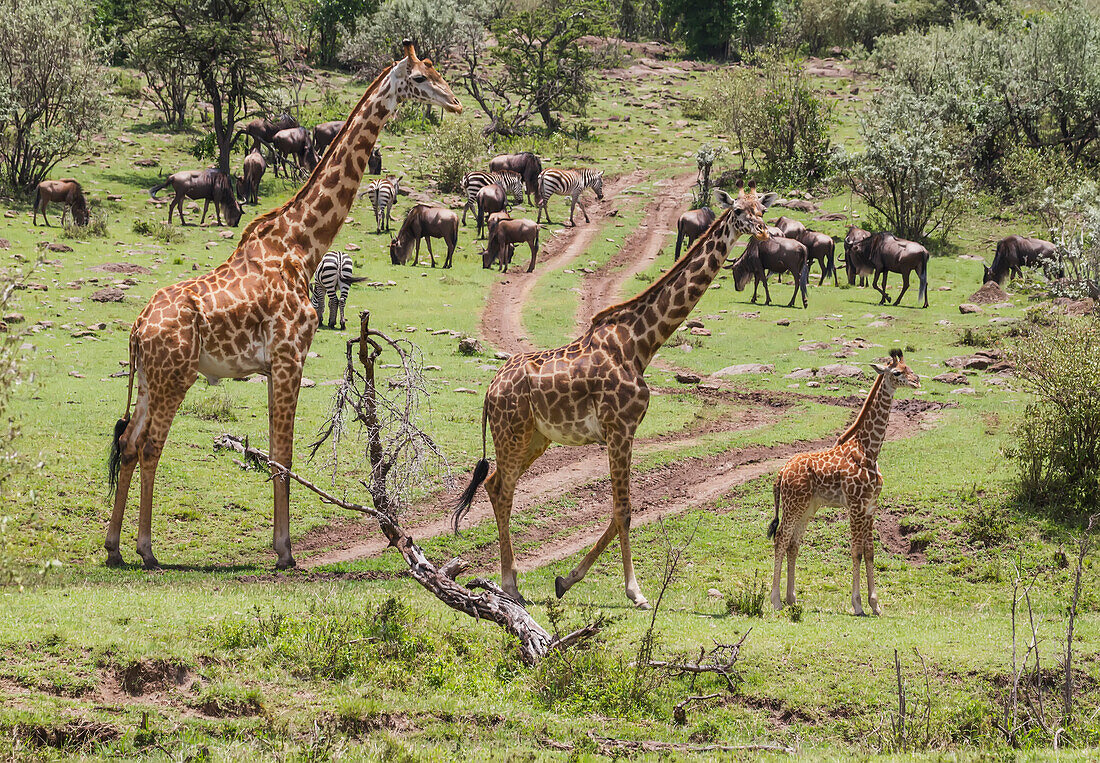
(384, 450)
(720, 660)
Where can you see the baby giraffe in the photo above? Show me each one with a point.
(844, 475)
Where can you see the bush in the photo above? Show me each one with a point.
(166, 232)
(775, 119)
(1057, 441)
(749, 599)
(909, 173)
(457, 147)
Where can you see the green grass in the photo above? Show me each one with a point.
(368, 665)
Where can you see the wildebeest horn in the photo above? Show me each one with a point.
(410, 50)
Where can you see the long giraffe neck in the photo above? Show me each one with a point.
(652, 316)
(869, 428)
(312, 218)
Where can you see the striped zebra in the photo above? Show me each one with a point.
(472, 182)
(569, 183)
(383, 195)
(332, 279)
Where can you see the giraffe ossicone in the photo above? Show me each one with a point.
(252, 314)
(845, 475)
(593, 390)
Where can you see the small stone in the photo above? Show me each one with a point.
(469, 346)
(693, 323)
(9, 213)
(750, 315)
(943, 323)
(685, 377)
(1003, 319)
(502, 356)
(813, 384)
(14, 318)
(966, 308)
(227, 234)
(714, 593)
(75, 375)
(5, 244)
(783, 322)
(110, 294)
(800, 373)
(466, 390)
(877, 324)
(842, 370)
(814, 346)
(963, 391)
(951, 377)
(114, 197)
(700, 332)
(54, 247)
(745, 368)
(307, 383)
(351, 247)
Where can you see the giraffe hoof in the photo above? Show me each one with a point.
(641, 604)
(559, 586)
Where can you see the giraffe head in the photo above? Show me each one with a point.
(895, 373)
(418, 81)
(747, 210)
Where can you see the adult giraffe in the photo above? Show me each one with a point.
(594, 390)
(252, 314)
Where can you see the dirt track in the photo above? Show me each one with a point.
(580, 473)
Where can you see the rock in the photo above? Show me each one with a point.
(745, 368)
(502, 356)
(798, 204)
(749, 316)
(466, 390)
(832, 217)
(989, 294)
(1003, 319)
(307, 383)
(110, 294)
(469, 346)
(685, 377)
(10, 213)
(700, 332)
(14, 318)
(814, 346)
(783, 322)
(813, 384)
(76, 375)
(877, 324)
(800, 373)
(351, 247)
(227, 234)
(943, 323)
(714, 593)
(951, 377)
(842, 370)
(847, 352)
(54, 247)
(966, 308)
(114, 197)
(1076, 307)
(693, 323)
(972, 362)
(963, 391)
(5, 244)
(146, 163)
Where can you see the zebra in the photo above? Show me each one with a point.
(332, 279)
(568, 183)
(472, 182)
(383, 195)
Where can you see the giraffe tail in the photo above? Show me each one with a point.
(114, 457)
(481, 471)
(774, 525)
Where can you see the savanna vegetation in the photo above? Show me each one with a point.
(953, 125)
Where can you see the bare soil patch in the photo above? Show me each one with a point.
(128, 268)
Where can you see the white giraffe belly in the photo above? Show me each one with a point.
(249, 360)
(579, 432)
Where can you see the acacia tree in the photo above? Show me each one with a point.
(329, 20)
(222, 42)
(542, 66)
(434, 25)
(53, 91)
(171, 82)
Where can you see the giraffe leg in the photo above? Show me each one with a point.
(792, 556)
(162, 410)
(128, 451)
(282, 397)
(782, 539)
(867, 537)
(512, 461)
(854, 511)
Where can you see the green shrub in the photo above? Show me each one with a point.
(749, 599)
(1056, 443)
(165, 232)
(96, 227)
(214, 407)
(985, 524)
(458, 146)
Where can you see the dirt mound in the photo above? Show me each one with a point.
(70, 735)
(120, 267)
(911, 406)
(144, 676)
(989, 294)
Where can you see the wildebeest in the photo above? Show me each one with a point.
(262, 129)
(855, 256)
(889, 254)
(209, 185)
(1015, 252)
(253, 171)
(526, 164)
(776, 254)
(504, 234)
(295, 142)
(374, 163)
(325, 133)
(691, 225)
(820, 247)
(491, 198)
(66, 192)
(425, 222)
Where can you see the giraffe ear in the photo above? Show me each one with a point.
(879, 369)
(768, 199)
(725, 200)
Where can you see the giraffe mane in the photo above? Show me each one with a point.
(608, 314)
(328, 157)
(850, 432)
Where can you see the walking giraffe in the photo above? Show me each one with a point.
(844, 475)
(594, 390)
(252, 314)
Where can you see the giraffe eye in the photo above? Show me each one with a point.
(420, 78)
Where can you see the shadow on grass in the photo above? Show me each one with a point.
(141, 179)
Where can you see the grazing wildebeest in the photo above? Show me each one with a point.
(855, 256)
(491, 198)
(889, 254)
(425, 222)
(295, 142)
(209, 185)
(819, 246)
(254, 168)
(66, 192)
(691, 225)
(503, 237)
(262, 129)
(776, 254)
(526, 164)
(374, 163)
(325, 133)
(1015, 252)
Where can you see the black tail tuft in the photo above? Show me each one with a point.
(481, 471)
(114, 458)
(772, 527)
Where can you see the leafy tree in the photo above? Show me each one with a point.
(910, 173)
(434, 25)
(222, 43)
(170, 76)
(53, 91)
(330, 20)
(710, 28)
(540, 66)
